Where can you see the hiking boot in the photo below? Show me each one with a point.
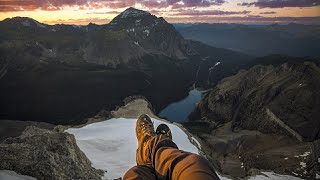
(164, 130)
(144, 131)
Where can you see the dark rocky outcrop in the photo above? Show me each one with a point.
(46, 154)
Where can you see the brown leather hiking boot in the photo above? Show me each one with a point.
(164, 130)
(144, 131)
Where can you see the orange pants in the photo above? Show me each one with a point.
(170, 163)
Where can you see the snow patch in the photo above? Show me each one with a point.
(272, 175)
(26, 23)
(11, 175)
(147, 31)
(40, 25)
(130, 30)
(76, 26)
(136, 43)
(159, 20)
(133, 13)
(317, 176)
(303, 165)
(305, 154)
(206, 58)
(29, 22)
(216, 64)
(138, 22)
(196, 141)
(111, 145)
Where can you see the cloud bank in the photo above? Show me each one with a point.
(282, 3)
(52, 5)
(209, 13)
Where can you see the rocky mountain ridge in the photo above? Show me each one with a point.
(258, 98)
(130, 35)
(265, 117)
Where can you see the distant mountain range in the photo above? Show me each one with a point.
(259, 40)
(63, 73)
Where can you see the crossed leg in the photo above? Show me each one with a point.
(159, 158)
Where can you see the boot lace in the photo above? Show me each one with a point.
(148, 128)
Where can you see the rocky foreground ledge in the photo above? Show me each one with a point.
(54, 154)
(46, 154)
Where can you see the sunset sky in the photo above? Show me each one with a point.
(174, 11)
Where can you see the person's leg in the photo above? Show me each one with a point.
(140, 172)
(171, 163)
(168, 161)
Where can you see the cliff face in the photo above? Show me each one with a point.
(283, 99)
(46, 154)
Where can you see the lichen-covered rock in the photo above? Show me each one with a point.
(46, 154)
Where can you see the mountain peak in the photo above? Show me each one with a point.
(133, 12)
(132, 17)
(25, 21)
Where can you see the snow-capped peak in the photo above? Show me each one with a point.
(132, 12)
(27, 22)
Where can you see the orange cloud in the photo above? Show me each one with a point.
(50, 5)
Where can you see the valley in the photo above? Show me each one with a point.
(97, 66)
(250, 113)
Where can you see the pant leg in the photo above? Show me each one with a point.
(171, 163)
(140, 172)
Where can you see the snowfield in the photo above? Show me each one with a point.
(111, 145)
(11, 175)
(272, 175)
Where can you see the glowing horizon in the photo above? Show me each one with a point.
(82, 12)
